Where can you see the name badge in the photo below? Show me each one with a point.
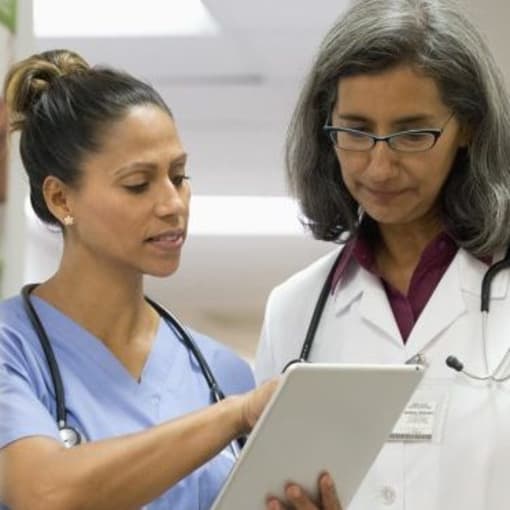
(423, 418)
(416, 422)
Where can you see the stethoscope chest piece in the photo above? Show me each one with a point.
(69, 436)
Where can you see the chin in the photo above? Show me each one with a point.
(389, 216)
(162, 271)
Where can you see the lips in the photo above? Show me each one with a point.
(166, 237)
(383, 191)
(167, 241)
(384, 194)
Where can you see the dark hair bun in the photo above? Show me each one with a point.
(29, 79)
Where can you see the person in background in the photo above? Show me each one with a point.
(105, 164)
(399, 151)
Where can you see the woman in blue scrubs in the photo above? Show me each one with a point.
(106, 165)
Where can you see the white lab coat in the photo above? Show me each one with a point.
(466, 465)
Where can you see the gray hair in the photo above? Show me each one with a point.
(435, 37)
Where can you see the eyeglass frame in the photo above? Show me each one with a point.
(436, 132)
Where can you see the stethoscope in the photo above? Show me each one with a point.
(452, 361)
(69, 435)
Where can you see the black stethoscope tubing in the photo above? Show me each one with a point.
(317, 313)
(216, 392)
(56, 377)
(316, 316)
(451, 361)
(73, 436)
(489, 276)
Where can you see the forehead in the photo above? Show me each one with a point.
(395, 91)
(140, 123)
(145, 131)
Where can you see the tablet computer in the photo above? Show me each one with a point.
(322, 417)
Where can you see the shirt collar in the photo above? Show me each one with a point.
(359, 248)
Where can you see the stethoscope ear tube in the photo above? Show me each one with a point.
(317, 313)
(70, 436)
(216, 392)
(452, 361)
(60, 399)
(489, 276)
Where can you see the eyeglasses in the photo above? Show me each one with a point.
(411, 140)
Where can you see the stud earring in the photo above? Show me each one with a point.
(68, 220)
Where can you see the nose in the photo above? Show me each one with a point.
(170, 201)
(382, 164)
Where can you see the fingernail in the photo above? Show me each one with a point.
(293, 491)
(273, 504)
(327, 481)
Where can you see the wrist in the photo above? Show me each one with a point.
(237, 405)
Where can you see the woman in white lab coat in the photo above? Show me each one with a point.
(399, 150)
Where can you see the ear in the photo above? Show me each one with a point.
(57, 197)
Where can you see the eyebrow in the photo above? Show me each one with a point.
(149, 166)
(419, 117)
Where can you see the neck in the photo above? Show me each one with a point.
(107, 301)
(400, 248)
(404, 244)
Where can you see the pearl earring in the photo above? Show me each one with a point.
(68, 220)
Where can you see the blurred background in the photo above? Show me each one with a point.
(231, 71)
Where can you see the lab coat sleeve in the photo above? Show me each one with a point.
(288, 312)
(265, 366)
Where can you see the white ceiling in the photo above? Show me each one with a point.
(232, 95)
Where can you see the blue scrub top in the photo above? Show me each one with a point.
(103, 399)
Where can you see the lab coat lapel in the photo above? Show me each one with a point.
(472, 272)
(445, 305)
(374, 306)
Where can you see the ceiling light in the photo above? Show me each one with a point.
(244, 216)
(121, 18)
